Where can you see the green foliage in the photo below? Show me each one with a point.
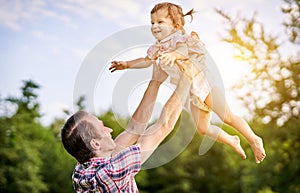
(31, 156)
(283, 162)
(19, 152)
(27, 105)
(292, 24)
(271, 90)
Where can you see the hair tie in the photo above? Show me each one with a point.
(190, 13)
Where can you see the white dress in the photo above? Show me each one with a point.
(202, 82)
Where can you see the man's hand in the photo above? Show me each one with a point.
(188, 68)
(180, 54)
(158, 74)
(118, 65)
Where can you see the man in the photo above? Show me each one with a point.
(107, 165)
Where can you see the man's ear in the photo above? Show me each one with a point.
(95, 144)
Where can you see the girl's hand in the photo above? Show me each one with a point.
(118, 65)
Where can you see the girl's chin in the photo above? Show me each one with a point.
(158, 36)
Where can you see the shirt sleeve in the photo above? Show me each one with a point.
(126, 164)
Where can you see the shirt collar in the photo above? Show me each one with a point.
(178, 32)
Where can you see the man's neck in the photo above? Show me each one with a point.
(106, 154)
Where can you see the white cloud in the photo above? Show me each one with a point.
(14, 14)
(9, 15)
(114, 11)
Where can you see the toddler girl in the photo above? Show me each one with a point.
(179, 53)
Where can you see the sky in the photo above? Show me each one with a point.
(52, 42)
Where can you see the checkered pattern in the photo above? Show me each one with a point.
(115, 174)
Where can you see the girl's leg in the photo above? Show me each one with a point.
(202, 120)
(219, 105)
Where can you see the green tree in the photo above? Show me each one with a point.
(31, 156)
(271, 92)
(271, 89)
(19, 154)
(292, 23)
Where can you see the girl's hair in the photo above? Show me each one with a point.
(174, 12)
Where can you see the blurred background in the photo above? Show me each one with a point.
(254, 43)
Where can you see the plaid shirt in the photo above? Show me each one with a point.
(115, 174)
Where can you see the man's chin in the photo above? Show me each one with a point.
(113, 147)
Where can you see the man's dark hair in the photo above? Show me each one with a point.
(76, 135)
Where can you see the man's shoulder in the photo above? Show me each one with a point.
(129, 151)
(91, 166)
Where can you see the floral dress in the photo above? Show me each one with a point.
(202, 81)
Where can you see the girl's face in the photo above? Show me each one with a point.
(161, 24)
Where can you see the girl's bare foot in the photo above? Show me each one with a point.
(258, 149)
(237, 146)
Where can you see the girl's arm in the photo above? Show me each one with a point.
(136, 63)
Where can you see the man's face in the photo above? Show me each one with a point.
(161, 24)
(104, 134)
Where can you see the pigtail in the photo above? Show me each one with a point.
(190, 13)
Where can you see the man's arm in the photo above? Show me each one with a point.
(153, 136)
(142, 114)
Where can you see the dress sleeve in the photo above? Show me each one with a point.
(152, 52)
(177, 38)
(197, 53)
